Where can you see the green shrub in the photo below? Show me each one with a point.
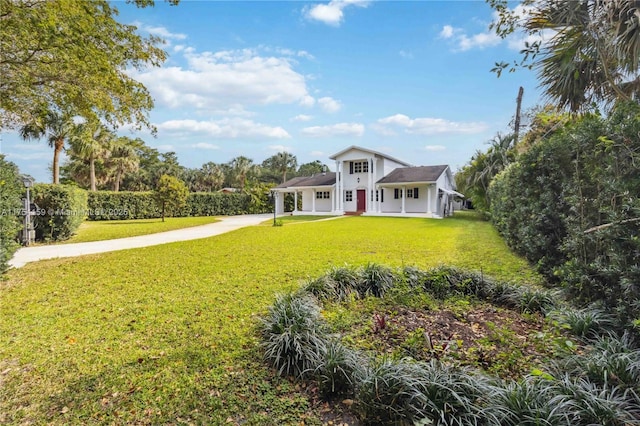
(11, 192)
(108, 205)
(293, 335)
(64, 208)
(526, 403)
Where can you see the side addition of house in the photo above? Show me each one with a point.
(372, 183)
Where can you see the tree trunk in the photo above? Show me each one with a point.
(516, 125)
(163, 211)
(116, 184)
(92, 173)
(57, 149)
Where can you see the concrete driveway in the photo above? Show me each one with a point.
(227, 224)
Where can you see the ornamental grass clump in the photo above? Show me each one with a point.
(346, 281)
(375, 280)
(335, 368)
(408, 392)
(292, 335)
(587, 323)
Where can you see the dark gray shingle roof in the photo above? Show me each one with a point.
(414, 174)
(321, 179)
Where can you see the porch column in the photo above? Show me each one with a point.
(373, 184)
(404, 194)
(295, 201)
(378, 202)
(429, 199)
(340, 185)
(313, 200)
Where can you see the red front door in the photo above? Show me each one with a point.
(362, 200)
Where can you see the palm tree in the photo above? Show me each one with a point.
(283, 162)
(242, 167)
(213, 176)
(90, 143)
(123, 160)
(593, 56)
(56, 127)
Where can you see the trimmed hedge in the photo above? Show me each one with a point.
(62, 208)
(108, 205)
(11, 190)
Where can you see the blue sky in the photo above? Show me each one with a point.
(411, 79)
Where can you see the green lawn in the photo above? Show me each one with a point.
(297, 219)
(165, 334)
(111, 229)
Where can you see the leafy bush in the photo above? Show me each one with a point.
(64, 207)
(293, 335)
(108, 205)
(570, 206)
(170, 195)
(11, 192)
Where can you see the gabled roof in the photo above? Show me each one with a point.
(379, 154)
(419, 174)
(321, 179)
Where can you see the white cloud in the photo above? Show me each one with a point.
(215, 80)
(302, 117)
(228, 128)
(339, 129)
(427, 125)
(159, 31)
(204, 145)
(329, 104)
(447, 31)
(518, 41)
(435, 148)
(464, 42)
(318, 154)
(331, 13)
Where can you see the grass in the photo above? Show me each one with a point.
(167, 334)
(297, 219)
(112, 229)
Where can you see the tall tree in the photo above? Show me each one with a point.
(213, 176)
(89, 143)
(242, 167)
(123, 160)
(282, 163)
(592, 56)
(310, 169)
(57, 127)
(72, 55)
(171, 194)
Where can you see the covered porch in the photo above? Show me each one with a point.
(311, 195)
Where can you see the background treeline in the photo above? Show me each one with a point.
(125, 164)
(567, 197)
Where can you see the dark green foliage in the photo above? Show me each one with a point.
(64, 207)
(570, 206)
(292, 335)
(11, 193)
(108, 205)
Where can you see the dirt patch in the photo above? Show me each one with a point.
(499, 341)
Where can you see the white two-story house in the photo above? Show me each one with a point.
(372, 183)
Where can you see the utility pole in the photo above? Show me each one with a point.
(516, 125)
